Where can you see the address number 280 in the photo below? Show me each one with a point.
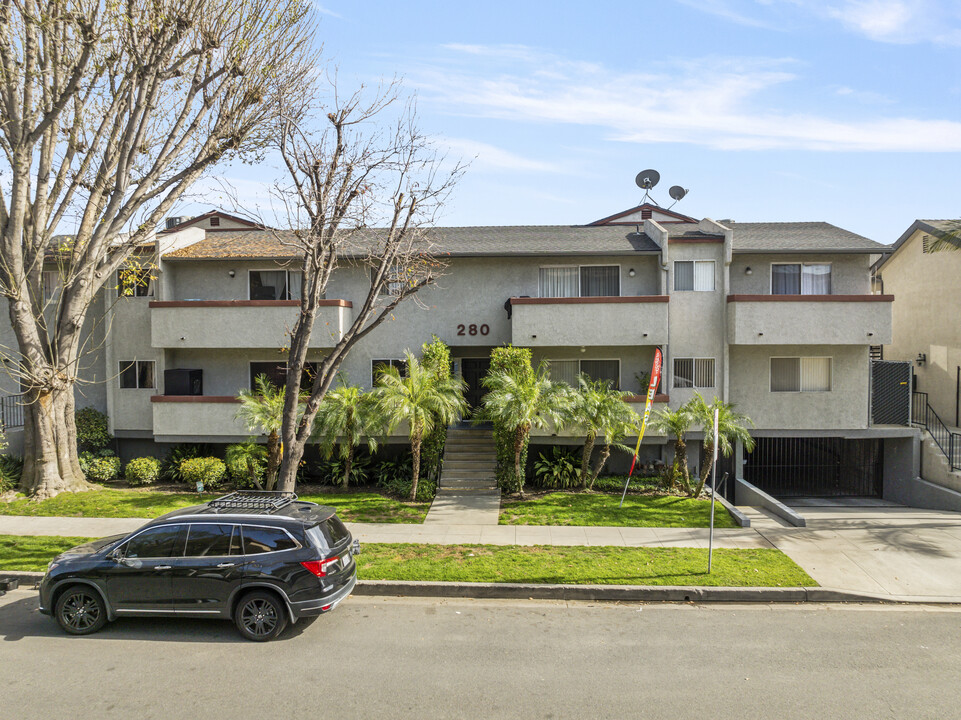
(473, 329)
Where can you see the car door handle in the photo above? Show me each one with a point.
(162, 567)
(226, 565)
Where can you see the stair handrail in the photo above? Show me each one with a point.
(948, 441)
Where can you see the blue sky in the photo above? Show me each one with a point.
(847, 111)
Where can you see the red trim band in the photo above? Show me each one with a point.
(810, 298)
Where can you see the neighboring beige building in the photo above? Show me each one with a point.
(927, 314)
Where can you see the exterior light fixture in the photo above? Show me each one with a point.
(747, 270)
(921, 359)
(631, 273)
(583, 349)
(232, 273)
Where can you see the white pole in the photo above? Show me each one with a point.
(710, 543)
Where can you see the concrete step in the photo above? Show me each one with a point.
(469, 453)
(454, 492)
(470, 445)
(467, 472)
(471, 487)
(456, 463)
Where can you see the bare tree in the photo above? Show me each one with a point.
(363, 191)
(108, 113)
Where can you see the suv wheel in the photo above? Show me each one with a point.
(80, 611)
(260, 616)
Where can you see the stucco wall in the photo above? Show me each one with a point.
(850, 274)
(810, 323)
(927, 296)
(129, 323)
(844, 407)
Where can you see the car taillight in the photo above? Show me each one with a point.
(319, 567)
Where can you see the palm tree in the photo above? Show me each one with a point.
(676, 424)
(731, 426)
(349, 414)
(423, 400)
(523, 402)
(262, 409)
(599, 409)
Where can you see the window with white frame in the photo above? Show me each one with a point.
(135, 282)
(378, 366)
(137, 374)
(579, 281)
(603, 370)
(694, 373)
(800, 374)
(800, 278)
(694, 275)
(275, 284)
(52, 284)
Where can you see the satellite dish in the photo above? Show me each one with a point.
(646, 179)
(677, 192)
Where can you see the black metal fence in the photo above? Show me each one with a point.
(948, 441)
(815, 467)
(11, 412)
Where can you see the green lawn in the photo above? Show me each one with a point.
(566, 508)
(493, 563)
(351, 507)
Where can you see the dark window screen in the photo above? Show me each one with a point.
(261, 539)
(208, 540)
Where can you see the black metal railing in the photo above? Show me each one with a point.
(948, 441)
(11, 412)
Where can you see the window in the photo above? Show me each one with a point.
(697, 275)
(276, 373)
(584, 281)
(693, 372)
(378, 366)
(137, 374)
(395, 280)
(263, 539)
(800, 279)
(604, 370)
(211, 540)
(52, 284)
(134, 282)
(275, 284)
(800, 374)
(157, 542)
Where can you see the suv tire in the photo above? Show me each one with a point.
(260, 616)
(80, 610)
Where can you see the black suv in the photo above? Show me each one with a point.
(260, 558)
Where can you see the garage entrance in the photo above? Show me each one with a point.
(788, 467)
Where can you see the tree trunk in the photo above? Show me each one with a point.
(51, 463)
(599, 465)
(707, 464)
(586, 459)
(520, 436)
(680, 459)
(348, 463)
(273, 460)
(415, 442)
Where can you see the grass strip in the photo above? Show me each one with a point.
(108, 503)
(514, 564)
(567, 508)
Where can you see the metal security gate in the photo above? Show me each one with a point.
(890, 392)
(815, 467)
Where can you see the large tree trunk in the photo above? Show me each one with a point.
(51, 463)
(273, 460)
(586, 460)
(415, 442)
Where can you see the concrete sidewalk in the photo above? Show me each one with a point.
(892, 552)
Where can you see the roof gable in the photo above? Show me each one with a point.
(215, 220)
(640, 213)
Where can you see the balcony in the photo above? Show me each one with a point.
(809, 319)
(589, 321)
(242, 323)
(185, 418)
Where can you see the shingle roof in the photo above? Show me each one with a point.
(453, 242)
(549, 240)
(799, 237)
(938, 228)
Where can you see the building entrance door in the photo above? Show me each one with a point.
(474, 370)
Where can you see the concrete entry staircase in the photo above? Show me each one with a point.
(467, 493)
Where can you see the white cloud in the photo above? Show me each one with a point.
(482, 155)
(322, 10)
(714, 102)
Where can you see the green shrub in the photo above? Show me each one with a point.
(518, 362)
(142, 471)
(92, 432)
(333, 471)
(100, 466)
(436, 360)
(170, 467)
(559, 470)
(246, 464)
(11, 467)
(210, 471)
(395, 475)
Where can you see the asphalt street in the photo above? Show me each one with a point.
(430, 658)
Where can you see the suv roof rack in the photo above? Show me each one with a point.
(253, 501)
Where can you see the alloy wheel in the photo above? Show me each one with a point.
(80, 611)
(259, 617)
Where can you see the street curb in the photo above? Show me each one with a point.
(608, 593)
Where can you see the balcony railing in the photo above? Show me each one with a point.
(589, 321)
(809, 319)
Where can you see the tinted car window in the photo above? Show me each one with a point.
(264, 539)
(327, 534)
(156, 542)
(208, 540)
